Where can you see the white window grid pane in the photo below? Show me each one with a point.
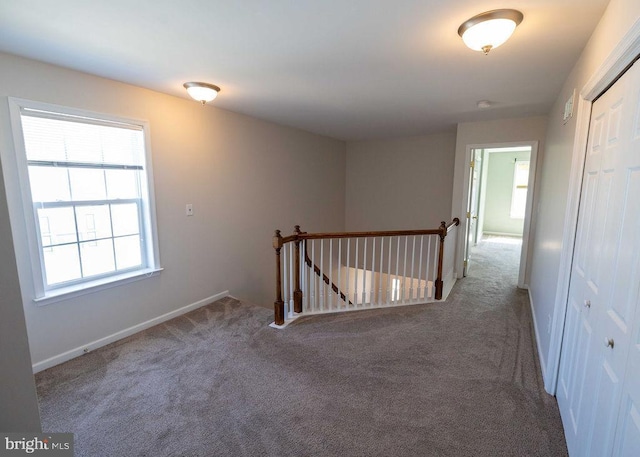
(125, 219)
(97, 258)
(62, 264)
(49, 184)
(123, 183)
(87, 184)
(128, 250)
(519, 190)
(57, 225)
(93, 222)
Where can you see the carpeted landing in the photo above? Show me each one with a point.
(459, 378)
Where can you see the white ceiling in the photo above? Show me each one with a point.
(349, 69)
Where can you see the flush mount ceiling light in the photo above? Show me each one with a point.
(202, 92)
(489, 30)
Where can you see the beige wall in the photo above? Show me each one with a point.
(19, 411)
(244, 177)
(401, 183)
(488, 134)
(617, 20)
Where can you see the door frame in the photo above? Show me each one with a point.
(528, 216)
(622, 56)
(473, 163)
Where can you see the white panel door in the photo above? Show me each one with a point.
(605, 275)
(575, 378)
(627, 441)
(626, 298)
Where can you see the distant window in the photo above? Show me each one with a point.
(520, 185)
(88, 189)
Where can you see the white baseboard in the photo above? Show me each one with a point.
(510, 234)
(448, 283)
(536, 331)
(68, 355)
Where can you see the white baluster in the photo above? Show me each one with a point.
(313, 276)
(364, 273)
(420, 292)
(413, 261)
(428, 269)
(322, 284)
(291, 274)
(346, 292)
(389, 292)
(380, 272)
(285, 279)
(372, 295)
(303, 275)
(308, 276)
(396, 294)
(357, 273)
(331, 294)
(404, 271)
(291, 278)
(339, 271)
(435, 262)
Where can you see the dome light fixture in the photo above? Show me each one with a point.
(489, 30)
(202, 92)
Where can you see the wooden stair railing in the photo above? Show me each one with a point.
(298, 236)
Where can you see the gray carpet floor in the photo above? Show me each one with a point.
(459, 378)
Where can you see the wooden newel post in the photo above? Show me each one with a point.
(278, 305)
(297, 292)
(439, 282)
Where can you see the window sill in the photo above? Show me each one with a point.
(66, 293)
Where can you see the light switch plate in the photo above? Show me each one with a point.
(568, 108)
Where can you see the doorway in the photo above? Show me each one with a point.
(499, 201)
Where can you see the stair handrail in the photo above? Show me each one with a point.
(279, 241)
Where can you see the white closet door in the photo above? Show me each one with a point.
(628, 424)
(624, 309)
(604, 278)
(576, 375)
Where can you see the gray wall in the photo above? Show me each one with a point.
(618, 18)
(244, 177)
(499, 189)
(19, 410)
(401, 183)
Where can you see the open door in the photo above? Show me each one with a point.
(471, 236)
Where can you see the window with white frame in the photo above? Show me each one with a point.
(520, 186)
(85, 180)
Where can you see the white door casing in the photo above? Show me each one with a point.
(529, 213)
(471, 232)
(475, 198)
